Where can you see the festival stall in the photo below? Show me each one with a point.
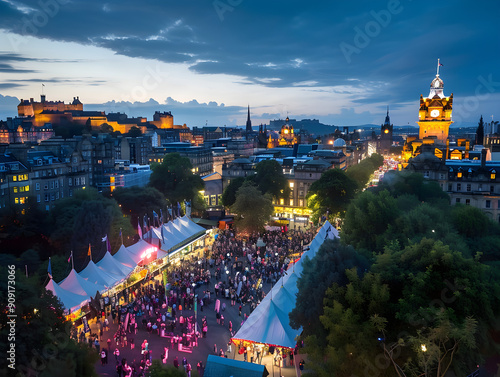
(268, 326)
(71, 301)
(109, 274)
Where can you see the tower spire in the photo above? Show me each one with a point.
(437, 71)
(249, 122)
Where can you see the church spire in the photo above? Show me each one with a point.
(249, 122)
(387, 119)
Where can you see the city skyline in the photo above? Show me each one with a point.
(206, 61)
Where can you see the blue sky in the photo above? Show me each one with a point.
(340, 62)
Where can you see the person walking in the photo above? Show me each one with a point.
(165, 355)
(117, 354)
(176, 362)
(103, 357)
(199, 368)
(215, 348)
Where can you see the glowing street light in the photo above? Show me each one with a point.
(424, 348)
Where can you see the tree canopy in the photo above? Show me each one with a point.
(422, 294)
(362, 172)
(270, 179)
(84, 219)
(433, 282)
(332, 192)
(327, 267)
(229, 194)
(43, 343)
(175, 179)
(136, 201)
(252, 208)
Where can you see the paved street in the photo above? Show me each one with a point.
(217, 334)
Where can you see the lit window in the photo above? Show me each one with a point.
(291, 202)
(291, 184)
(493, 175)
(282, 201)
(459, 174)
(15, 190)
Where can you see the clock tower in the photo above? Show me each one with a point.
(385, 141)
(434, 115)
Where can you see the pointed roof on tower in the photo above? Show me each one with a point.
(387, 118)
(249, 122)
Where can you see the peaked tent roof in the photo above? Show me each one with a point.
(95, 275)
(136, 250)
(190, 224)
(125, 257)
(76, 284)
(71, 301)
(269, 322)
(113, 267)
(171, 236)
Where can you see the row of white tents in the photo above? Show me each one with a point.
(269, 322)
(77, 288)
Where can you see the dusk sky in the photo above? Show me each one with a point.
(340, 62)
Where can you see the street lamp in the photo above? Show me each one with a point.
(424, 350)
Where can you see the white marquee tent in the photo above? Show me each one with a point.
(77, 288)
(269, 322)
(76, 284)
(71, 301)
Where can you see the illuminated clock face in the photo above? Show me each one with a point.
(386, 131)
(434, 113)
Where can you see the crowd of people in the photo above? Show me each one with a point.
(231, 272)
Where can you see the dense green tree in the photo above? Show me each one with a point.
(333, 191)
(471, 222)
(402, 183)
(270, 179)
(253, 209)
(134, 132)
(363, 171)
(229, 194)
(59, 266)
(21, 232)
(425, 294)
(136, 201)
(43, 344)
(327, 267)
(367, 218)
(86, 218)
(352, 322)
(175, 179)
(105, 128)
(433, 286)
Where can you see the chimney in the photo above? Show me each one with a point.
(31, 100)
(42, 98)
(483, 157)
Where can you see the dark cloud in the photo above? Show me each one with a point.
(9, 85)
(387, 54)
